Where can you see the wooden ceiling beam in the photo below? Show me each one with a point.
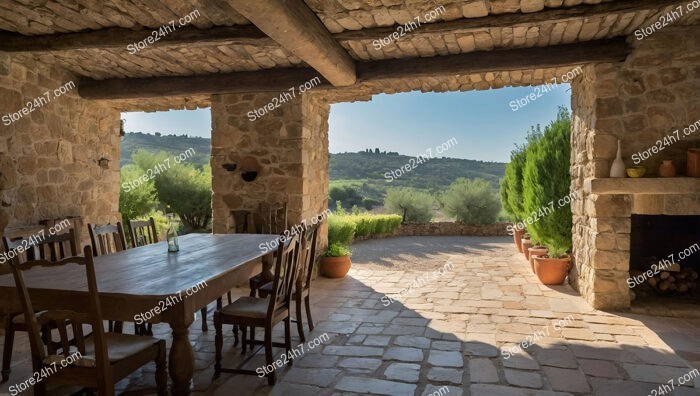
(277, 80)
(272, 80)
(293, 25)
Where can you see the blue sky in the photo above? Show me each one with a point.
(483, 122)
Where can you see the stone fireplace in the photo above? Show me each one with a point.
(639, 102)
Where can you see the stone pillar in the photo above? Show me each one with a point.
(601, 223)
(291, 145)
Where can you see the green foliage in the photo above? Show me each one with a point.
(135, 200)
(369, 203)
(433, 175)
(182, 188)
(341, 231)
(337, 250)
(346, 194)
(503, 190)
(134, 141)
(513, 192)
(472, 201)
(368, 224)
(546, 180)
(413, 206)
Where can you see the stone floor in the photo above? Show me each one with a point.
(471, 301)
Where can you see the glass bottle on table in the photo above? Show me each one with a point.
(171, 235)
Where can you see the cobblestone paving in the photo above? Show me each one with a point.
(472, 301)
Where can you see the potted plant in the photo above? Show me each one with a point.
(546, 180)
(336, 261)
(553, 267)
(518, 235)
(535, 251)
(526, 244)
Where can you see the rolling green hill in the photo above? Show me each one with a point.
(173, 144)
(430, 174)
(364, 171)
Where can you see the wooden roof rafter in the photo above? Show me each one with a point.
(276, 80)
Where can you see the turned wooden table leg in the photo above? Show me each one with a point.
(181, 360)
(268, 262)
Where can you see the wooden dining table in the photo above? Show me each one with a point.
(135, 281)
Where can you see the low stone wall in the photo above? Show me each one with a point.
(444, 229)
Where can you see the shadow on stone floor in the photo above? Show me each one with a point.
(455, 333)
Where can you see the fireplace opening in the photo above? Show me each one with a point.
(665, 256)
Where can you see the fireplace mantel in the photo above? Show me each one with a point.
(648, 185)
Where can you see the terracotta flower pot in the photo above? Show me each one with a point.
(552, 271)
(518, 238)
(335, 267)
(526, 244)
(534, 252)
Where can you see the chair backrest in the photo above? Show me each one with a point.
(307, 257)
(51, 248)
(107, 239)
(274, 218)
(243, 222)
(62, 318)
(142, 232)
(285, 275)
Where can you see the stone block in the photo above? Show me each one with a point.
(648, 204)
(611, 260)
(604, 146)
(608, 107)
(609, 206)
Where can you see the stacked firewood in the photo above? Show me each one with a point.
(665, 282)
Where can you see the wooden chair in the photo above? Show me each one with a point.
(307, 261)
(273, 221)
(105, 358)
(108, 239)
(262, 312)
(51, 248)
(142, 232)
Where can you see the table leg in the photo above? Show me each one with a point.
(268, 262)
(181, 361)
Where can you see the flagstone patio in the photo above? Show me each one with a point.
(454, 331)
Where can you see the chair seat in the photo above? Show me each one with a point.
(119, 347)
(18, 320)
(266, 289)
(249, 307)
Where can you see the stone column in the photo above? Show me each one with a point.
(291, 145)
(601, 224)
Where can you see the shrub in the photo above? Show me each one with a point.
(368, 224)
(472, 201)
(340, 233)
(413, 206)
(546, 179)
(135, 200)
(503, 190)
(369, 203)
(183, 188)
(513, 192)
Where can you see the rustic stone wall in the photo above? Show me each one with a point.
(640, 101)
(49, 158)
(291, 146)
(451, 228)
